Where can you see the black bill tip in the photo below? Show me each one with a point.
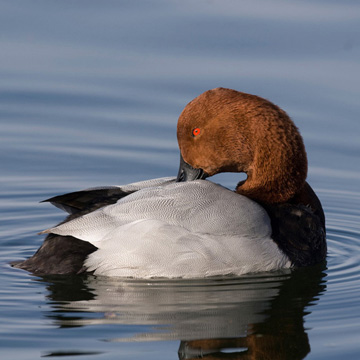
(188, 173)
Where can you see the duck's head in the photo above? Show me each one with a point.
(224, 130)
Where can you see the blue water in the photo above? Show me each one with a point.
(90, 93)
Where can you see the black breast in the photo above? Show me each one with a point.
(299, 232)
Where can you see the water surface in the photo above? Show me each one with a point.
(90, 93)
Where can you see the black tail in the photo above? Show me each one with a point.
(58, 255)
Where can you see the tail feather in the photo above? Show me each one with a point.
(58, 255)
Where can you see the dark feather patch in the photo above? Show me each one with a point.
(87, 200)
(66, 254)
(58, 255)
(298, 232)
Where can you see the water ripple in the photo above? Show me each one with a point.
(340, 306)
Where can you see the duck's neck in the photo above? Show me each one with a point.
(303, 196)
(270, 187)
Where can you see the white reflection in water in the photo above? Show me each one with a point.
(244, 314)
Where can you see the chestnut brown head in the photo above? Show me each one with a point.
(224, 130)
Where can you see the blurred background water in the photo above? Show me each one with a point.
(90, 93)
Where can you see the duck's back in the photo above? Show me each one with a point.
(190, 229)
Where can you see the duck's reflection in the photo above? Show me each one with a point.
(253, 317)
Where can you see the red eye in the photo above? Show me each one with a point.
(196, 132)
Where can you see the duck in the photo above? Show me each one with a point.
(187, 226)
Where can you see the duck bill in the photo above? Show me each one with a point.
(188, 173)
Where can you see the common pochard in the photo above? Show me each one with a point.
(189, 227)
